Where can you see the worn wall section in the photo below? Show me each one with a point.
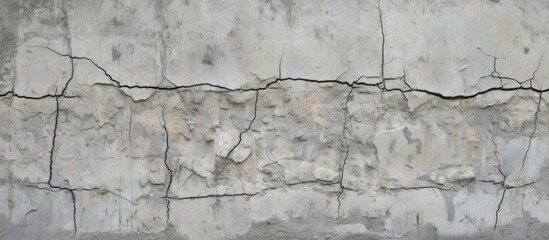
(280, 119)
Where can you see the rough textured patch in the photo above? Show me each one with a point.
(280, 119)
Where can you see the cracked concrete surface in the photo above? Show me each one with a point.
(274, 119)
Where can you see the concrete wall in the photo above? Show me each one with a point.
(190, 119)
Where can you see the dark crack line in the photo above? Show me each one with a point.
(247, 128)
(267, 86)
(322, 183)
(52, 150)
(175, 87)
(12, 93)
(82, 58)
(496, 74)
(166, 154)
(344, 132)
(503, 183)
(499, 207)
(495, 71)
(380, 85)
(404, 80)
(521, 186)
(216, 196)
(54, 138)
(167, 214)
(74, 211)
(69, 80)
(57, 121)
(73, 197)
(462, 96)
(226, 89)
(319, 181)
(169, 170)
(531, 135)
(59, 188)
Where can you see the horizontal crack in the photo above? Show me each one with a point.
(381, 85)
(214, 196)
(251, 194)
(49, 187)
(11, 93)
(357, 83)
(415, 188)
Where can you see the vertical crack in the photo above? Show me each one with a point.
(167, 224)
(533, 132)
(502, 183)
(499, 207)
(166, 154)
(73, 211)
(495, 72)
(54, 137)
(345, 132)
(496, 152)
(167, 167)
(382, 43)
(52, 150)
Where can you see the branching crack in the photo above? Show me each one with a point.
(380, 85)
(496, 152)
(57, 120)
(49, 187)
(346, 112)
(356, 84)
(503, 183)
